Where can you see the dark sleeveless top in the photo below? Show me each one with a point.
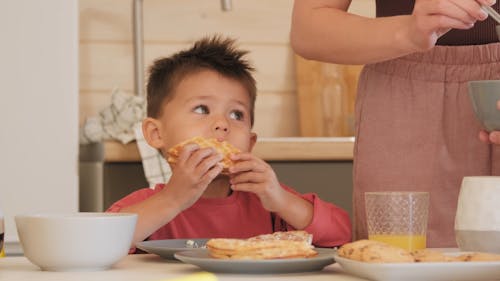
(482, 32)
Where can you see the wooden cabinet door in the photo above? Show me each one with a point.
(326, 94)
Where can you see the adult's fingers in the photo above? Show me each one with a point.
(446, 8)
(494, 137)
(486, 2)
(472, 8)
(484, 136)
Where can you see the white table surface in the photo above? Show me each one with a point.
(148, 267)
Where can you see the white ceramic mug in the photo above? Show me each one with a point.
(477, 221)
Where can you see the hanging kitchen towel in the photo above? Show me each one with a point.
(116, 121)
(156, 168)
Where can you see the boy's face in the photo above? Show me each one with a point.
(210, 105)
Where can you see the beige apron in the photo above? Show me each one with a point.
(416, 131)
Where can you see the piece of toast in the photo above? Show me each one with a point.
(374, 252)
(379, 252)
(259, 249)
(279, 245)
(428, 255)
(293, 235)
(224, 148)
(354, 250)
(479, 256)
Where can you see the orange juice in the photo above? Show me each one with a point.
(408, 242)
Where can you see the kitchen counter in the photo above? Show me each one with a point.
(270, 149)
(150, 267)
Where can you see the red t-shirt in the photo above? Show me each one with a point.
(241, 215)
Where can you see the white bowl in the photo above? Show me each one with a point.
(75, 241)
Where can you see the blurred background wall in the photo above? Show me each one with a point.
(260, 26)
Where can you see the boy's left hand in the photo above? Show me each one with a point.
(252, 174)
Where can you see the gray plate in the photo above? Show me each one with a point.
(167, 248)
(202, 259)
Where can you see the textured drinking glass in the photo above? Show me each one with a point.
(398, 218)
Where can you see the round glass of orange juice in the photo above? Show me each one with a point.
(398, 218)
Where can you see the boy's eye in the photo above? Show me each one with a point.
(237, 115)
(201, 109)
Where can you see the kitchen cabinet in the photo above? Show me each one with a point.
(325, 97)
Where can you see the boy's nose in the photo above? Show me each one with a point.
(221, 128)
(220, 125)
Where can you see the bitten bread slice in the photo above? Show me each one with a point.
(277, 245)
(259, 249)
(224, 148)
(374, 252)
(428, 255)
(293, 235)
(479, 256)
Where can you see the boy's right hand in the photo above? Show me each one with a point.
(195, 168)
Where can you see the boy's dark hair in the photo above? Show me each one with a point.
(212, 53)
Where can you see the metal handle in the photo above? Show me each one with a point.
(226, 5)
(138, 48)
(491, 12)
(137, 30)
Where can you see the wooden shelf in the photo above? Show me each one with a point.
(269, 149)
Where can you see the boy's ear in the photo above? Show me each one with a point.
(151, 131)
(253, 140)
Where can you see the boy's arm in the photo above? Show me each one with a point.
(153, 207)
(295, 210)
(153, 213)
(252, 174)
(329, 225)
(194, 170)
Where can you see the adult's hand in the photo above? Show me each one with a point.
(324, 30)
(432, 18)
(491, 137)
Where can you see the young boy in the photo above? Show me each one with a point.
(208, 91)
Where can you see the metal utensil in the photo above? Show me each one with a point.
(491, 12)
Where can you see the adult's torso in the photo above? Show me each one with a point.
(482, 32)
